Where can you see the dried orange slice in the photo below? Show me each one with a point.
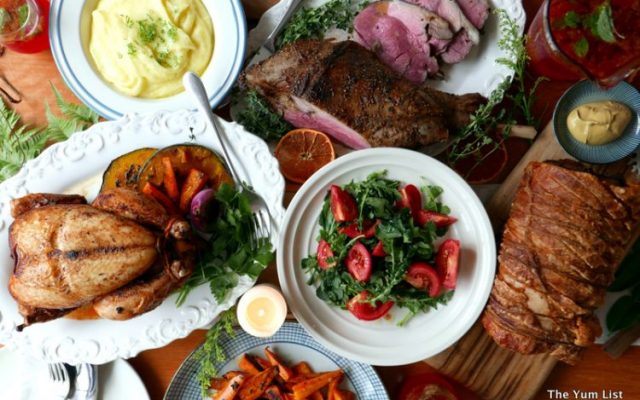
(302, 152)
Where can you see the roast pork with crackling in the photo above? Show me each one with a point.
(342, 89)
(566, 235)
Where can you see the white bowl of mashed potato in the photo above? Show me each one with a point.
(125, 56)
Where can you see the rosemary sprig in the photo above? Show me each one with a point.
(212, 352)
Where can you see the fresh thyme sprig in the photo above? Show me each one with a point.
(212, 352)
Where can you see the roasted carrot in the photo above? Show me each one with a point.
(150, 190)
(248, 365)
(273, 392)
(262, 363)
(219, 383)
(344, 395)
(170, 182)
(285, 372)
(256, 385)
(307, 387)
(229, 391)
(193, 184)
(316, 396)
(302, 368)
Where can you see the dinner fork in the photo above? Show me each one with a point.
(59, 384)
(262, 216)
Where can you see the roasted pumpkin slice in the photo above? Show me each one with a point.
(184, 158)
(124, 170)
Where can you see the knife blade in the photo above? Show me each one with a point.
(270, 42)
(86, 385)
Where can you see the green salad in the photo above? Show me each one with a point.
(377, 248)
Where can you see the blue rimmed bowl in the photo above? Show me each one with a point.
(588, 92)
(69, 29)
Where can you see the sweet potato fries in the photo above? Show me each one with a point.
(271, 379)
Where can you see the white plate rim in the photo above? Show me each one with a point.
(78, 74)
(320, 329)
(82, 156)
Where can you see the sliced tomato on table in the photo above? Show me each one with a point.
(365, 311)
(343, 206)
(359, 262)
(423, 276)
(368, 229)
(448, 262)
(440, 220)
(324, 254)
(427, 386)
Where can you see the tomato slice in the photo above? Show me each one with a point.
(378, 251)
(441, 220)
(343, 206)
(359, 262)
(427, 385)
(324, 253)
(366, 311)
(368, 229)
(423, 276)
(448, 262)
(411, 198)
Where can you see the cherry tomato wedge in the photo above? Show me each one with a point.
(411, 198)
(378, 251)
(324, 253)
(365, 311)
(440, 220)
(368, 229)
(448, 262)
(423, 276)
(343, 206)
(427, 385)
(359, 262)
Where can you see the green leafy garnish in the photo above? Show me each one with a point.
(23, 14)
(581, 47)
(600, 23)
(571, 19)
(4, 18)
(312, 23)
(403, 241)
(229, 254)
(153, 35)
(211, 351)
(258, 118)
(18, 144)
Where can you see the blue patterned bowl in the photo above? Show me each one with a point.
(588, 92)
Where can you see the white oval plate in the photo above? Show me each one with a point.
(69, 23)
(82, 157)
(293, 344)
(479, 72)
(116, 380)
(382, 342)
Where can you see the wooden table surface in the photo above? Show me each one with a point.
(597, 372)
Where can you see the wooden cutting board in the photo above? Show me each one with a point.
(493, 372)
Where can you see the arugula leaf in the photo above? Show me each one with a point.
(211, 351)
(229, 255)
(258, 118)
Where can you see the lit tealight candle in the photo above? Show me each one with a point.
(262, 311)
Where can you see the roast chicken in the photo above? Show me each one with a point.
(122, 254)
(566, 235)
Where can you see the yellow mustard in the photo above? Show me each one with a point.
(144, 47)
(598, 123)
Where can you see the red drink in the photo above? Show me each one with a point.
(597, 39)
(24, 25)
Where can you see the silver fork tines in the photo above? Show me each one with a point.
(59, 384)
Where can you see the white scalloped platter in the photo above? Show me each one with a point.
(86, 155)
(479, 72)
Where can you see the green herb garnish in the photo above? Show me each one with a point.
(599, 23)
(5, 17)
(229, 254)
(153, 35)
(23, 14)
(403, 241)
(258, 118)
(312, 23)
(18, 144)
(211, 351)
(131, 49)
(581, 47)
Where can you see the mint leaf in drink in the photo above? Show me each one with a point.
(604, 28)
(23, 14)
(571, 19)
(581, 47)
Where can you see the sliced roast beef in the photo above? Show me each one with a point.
(402, 35)
(343, 89)
(477, 11)
(453, 14)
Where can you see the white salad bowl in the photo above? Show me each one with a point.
(383, 342)
(69, 30)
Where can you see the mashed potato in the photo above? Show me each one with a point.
(143, 47)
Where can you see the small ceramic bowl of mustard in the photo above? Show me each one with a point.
(124, 56)
(585, 93)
